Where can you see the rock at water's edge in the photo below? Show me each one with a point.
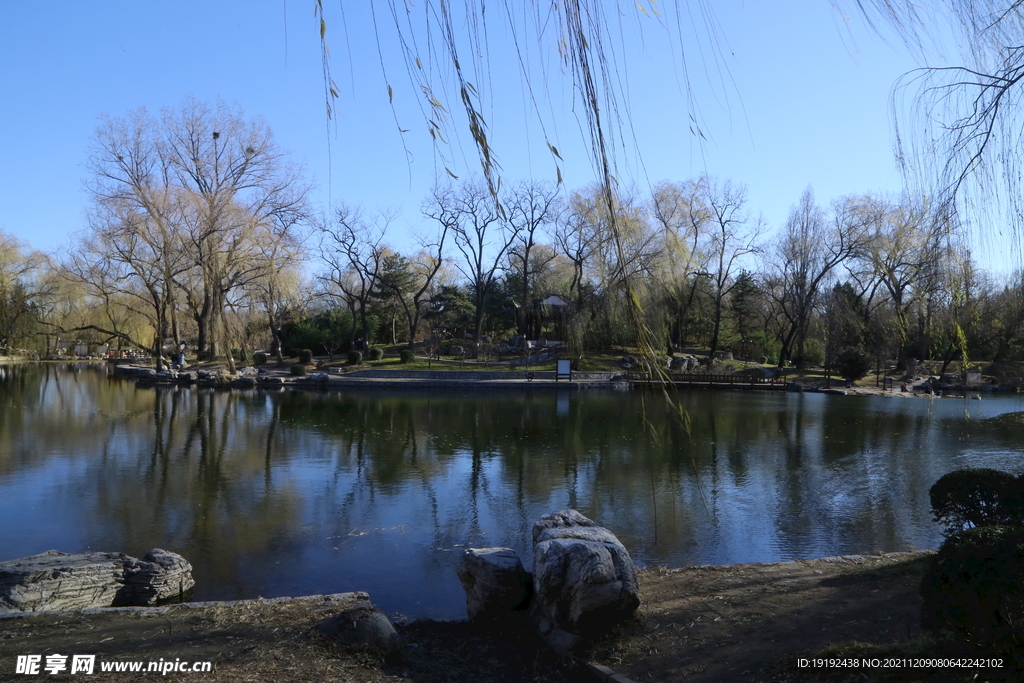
(58, 581)
(584, 579)
(364, 625)
(495, 582)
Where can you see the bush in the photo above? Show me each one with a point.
(814, 353)
(355, 357)
(298, 369)
(406, 356)
(376, 353)
(854, 362)
(972, 588)
(259, 358)
(305, 356)
(968, 498)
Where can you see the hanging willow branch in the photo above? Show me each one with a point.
(960, 129)
(446, 51)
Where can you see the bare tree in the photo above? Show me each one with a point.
(810, 250)
(225, 180)
(273, 287)
(732, 235)
(578, 236)
(902, 248)
(684, 220)
(352, 247)
(411, 281)
(481, 234)
(531, 207)
(242, 189)
(131, 259)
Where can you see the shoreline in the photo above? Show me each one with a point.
(370, 378)
(156, 610)
(705, 623)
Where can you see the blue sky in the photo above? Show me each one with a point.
(798, 97)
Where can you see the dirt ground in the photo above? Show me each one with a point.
(750, 622)
(731, 623)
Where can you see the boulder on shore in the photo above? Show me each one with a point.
(495, 582)
(363, 625)
(58, 581)
(583, 578)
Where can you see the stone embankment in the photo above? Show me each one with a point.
(249, 378)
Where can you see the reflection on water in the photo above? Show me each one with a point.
(287, 493)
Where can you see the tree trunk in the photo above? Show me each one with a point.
(714, 336)
(225, 341)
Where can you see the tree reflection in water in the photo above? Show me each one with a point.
(292, 492)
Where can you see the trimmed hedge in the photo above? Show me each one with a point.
(376, 353)
(305, 356)
(406, 356)
(298, 369)
(259, 358)
(355, 357)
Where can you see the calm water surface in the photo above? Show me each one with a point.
(289, 493)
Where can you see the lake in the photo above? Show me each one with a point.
(272, 493)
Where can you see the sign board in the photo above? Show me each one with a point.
(563, 369)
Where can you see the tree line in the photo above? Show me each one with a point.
(201, 235)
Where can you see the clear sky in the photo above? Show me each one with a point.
(797, 97)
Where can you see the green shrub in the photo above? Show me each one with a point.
(1010, 508)
(814, 353)
(974, 588)
(968, 498)
(376, 353)
(298, 369)
(305, 356)
(355, 357)
(406, 356)
(259, 358)
(854, 362)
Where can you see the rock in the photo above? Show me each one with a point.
(584, 580)
(159, 576)
(248, 371)
(362, 626)
(561, 520)
(245, 382)
(456, 351)
(58, 581)
(494, 580)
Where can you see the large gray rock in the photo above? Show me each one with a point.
(494, 580)
(583, 578)
(363, 625)
(57, 581)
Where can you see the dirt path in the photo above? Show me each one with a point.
(735, 623)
